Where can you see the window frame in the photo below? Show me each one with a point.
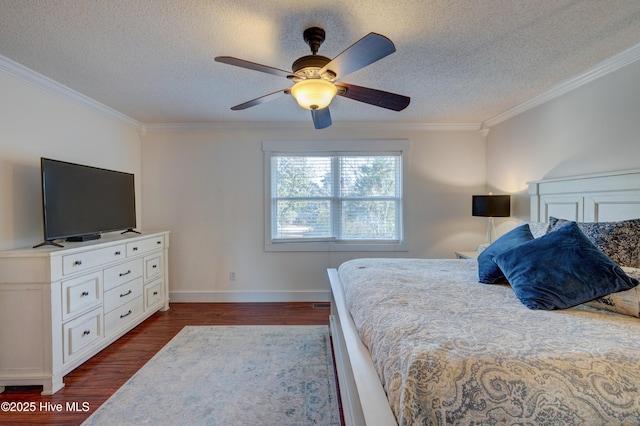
(342, 148)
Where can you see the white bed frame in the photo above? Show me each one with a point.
(590, 198)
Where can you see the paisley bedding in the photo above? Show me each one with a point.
(449, 350)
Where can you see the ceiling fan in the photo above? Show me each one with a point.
(315, 76)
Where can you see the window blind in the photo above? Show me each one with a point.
(336, 197)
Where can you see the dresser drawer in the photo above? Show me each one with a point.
(153, 294)
(153, 267)
(80, 294)
(122, 315)
(122, 273)
(122, 294)
(73, 263)
(144, 246)
(80, 333)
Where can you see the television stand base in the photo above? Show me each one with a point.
(48, 243)
(81, 238)
(130, 230)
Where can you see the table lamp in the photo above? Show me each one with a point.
(491, 206)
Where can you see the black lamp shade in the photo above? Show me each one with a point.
(491, 205)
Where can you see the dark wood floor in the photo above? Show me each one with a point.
(96, 380)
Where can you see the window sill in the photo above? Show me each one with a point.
(336, 247)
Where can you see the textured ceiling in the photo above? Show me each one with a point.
(460, 61)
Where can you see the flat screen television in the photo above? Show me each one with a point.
(81, 202)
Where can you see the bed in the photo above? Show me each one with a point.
(421, 341)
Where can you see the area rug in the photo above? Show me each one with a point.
(231, 375)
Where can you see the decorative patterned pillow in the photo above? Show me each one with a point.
(538, 229)
(618, 240)
(488, 271)
(560, 270)
(625, 302)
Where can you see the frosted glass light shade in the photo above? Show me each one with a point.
(314, 93)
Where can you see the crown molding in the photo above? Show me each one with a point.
(45, 83)
(614, 63)
(190, 127)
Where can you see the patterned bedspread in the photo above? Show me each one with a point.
(449, 350)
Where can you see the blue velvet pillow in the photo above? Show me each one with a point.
(561, 269)
(488, 271)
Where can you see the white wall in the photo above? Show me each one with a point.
(595, 128)
(206, 186)
(35, 123)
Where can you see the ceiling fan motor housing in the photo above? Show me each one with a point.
(310, 65)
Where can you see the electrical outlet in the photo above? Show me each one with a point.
(232, 275)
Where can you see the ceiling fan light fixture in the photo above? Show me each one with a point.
(314, 76)
(314, 93)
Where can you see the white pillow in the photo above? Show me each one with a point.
(625, 302)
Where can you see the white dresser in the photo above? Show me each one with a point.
(61, 306)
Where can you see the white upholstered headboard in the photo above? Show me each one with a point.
(599, 197)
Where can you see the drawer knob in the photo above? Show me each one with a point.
(135, 249)
(158, 242)
(77, 262)
(86, 332)
(118, 253)
(85, 293)
(126, 294)
(155, 293)
(127, 314)
(122, 274)
(154, 266)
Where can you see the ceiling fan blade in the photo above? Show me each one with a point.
(252, 66)
(375, 97)
(260, 100)
(321, 118)
(363, 52)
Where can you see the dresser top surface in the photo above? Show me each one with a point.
(112, 238)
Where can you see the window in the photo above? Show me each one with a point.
(334, 196)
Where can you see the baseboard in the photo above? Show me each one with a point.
(247, 296)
